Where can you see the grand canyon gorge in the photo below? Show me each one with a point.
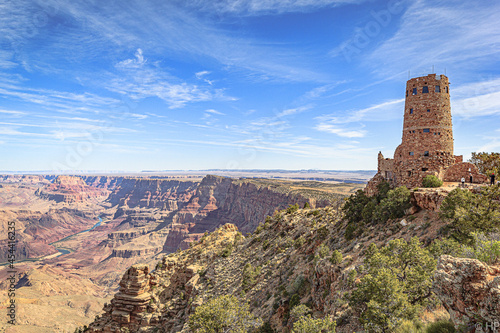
(77, 235)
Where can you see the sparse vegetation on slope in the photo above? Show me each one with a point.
(360, 210)
(468, 212)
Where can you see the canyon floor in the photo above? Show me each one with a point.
(76, 236)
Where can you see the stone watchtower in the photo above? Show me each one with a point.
(427, 142)
(427, 128)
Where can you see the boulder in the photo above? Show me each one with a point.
(469, 290)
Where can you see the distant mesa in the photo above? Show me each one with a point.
(427, 143)
(70, 189)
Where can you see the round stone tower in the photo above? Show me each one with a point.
(427, 128)
(427, 143)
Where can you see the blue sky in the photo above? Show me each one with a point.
(243, 84)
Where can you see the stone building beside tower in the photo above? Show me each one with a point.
(427, 142)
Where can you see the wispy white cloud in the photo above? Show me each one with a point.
(138, 116)
(171, 27)
(342, 124)
(215, 112)
(138, 79)
(6, 60)
(342, 132)
(440, 33)
(259, 7)
(202, 76)
(476, 99)
(138, 62)
(12, 113)
(60, 101)
(289, 112)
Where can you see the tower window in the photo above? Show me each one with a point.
(446, 89)
(414, 92)
(409, 173)
(426, 153)
(407, 93)
(424, 169)
(425, 90)
(428, 110)
(411, 111)
(411, 153)
(438, 89)
(426, 130)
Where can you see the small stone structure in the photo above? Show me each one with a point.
(427, 142)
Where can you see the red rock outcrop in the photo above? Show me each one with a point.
(153, 193)
(128, 307)
(470, 290)
(70, 189)
(428, 199)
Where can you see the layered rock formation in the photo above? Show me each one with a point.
(470, 290)
(153, 193)
(70, 189)
(128, 307)
(104, 182)
(188, 209)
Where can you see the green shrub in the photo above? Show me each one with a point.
(323, 251)
(394, 206)
(360, 209)
(396, 285)
(226, 252)
(222, 314)
(306, 205)
(294, 301)
(299, 242)
(292, 208)
(432, 181)
(351, 231)
(484, 248)
(441, 326)
(307, 324)
(266, 328)
(336, 258)
(322, 232)
(250, 275)
(445, 246)
(467, 212)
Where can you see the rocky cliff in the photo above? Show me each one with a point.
(104, 182)
(188, 209)
(152, 193)
(470, 291)
(70, 189)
